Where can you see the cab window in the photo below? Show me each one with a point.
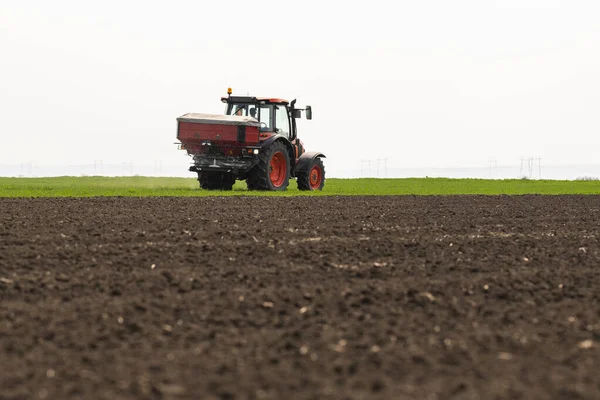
(265, 118)
(243, 110)
(282, 122)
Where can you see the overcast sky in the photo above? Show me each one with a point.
(423, 83)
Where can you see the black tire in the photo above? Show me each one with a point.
(304, 177)
(259, 178)
(216, 180)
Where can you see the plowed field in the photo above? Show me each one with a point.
(461, 297)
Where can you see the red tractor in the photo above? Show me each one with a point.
(256, 140)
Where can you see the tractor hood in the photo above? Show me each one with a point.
(218, 119)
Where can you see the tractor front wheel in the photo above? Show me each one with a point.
(216, 180)
(272, 171)
(314, 177)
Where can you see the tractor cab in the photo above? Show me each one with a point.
(276, 116)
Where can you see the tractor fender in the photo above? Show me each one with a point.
(306, 159)
(267, 142)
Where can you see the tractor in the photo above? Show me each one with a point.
(256, 140)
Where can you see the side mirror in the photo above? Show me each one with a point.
(297, 113)
(308, 112)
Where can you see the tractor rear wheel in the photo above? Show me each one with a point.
(272, 171)
(216, 180)
(313, 178)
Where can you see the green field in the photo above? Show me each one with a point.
(146, 186)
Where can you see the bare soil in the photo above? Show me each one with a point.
(462, 297)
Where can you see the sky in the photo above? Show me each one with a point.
(430, 83)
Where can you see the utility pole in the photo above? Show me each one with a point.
(493, 164)
(128, 168)
(521, 170)
(98, 165)
(531, 167)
